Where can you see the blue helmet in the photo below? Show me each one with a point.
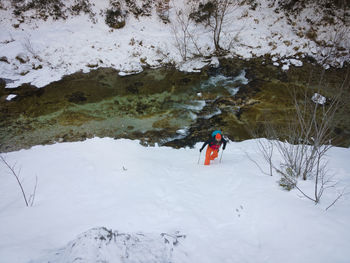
(215, 132)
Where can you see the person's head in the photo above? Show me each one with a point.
(218, 137)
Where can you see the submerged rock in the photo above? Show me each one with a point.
(71, 118)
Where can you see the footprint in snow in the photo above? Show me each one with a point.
(239, 210)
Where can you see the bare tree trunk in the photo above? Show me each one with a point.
(185, 39)
(221, 9)
(181, 34)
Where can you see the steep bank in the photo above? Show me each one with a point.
(40, 45)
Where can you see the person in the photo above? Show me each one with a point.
(214, 142)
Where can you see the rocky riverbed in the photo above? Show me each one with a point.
(164, 105)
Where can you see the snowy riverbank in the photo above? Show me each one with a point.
(229, 211)
(39, 52)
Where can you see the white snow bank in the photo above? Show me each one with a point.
(193, 65)
(40, 52)
(229, 211)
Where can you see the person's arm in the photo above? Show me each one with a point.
(224, 144)
(204, 145)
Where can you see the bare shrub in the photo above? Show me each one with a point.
(185, 37)
(29, 201)
(336, 46)
(84, 6)
(139, 8)
(215, 15)
(266, 148)
(28, 46)
(162, 8)
(304, 143)
(44, 8)
(56, 9)
(221, 10)
(115, 18)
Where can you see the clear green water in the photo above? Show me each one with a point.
(162, 106)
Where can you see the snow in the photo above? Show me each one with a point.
(102, 245)
(194, 65)
(228, 211)
(215, 62)
(10, 97)
(157, 203)
(296, 62)
(56, 48)
(319, 99)
(285, 67)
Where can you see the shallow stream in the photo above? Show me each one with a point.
(162, 105)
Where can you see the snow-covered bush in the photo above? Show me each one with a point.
(57, 9)
(162, 8)
(142, 9)
(43, 8)
(82, 6)
(22, 58)
(105, 245)
(287, 183)
(115, 18)
(118, 11)
(203, 12)
(325, 5)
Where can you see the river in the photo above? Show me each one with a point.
(166, 106)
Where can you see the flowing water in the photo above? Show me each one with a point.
(161, 106)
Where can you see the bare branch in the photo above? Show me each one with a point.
(256, 163)
(32, 196)
(307, 140)
(16, 175)
(184, 32)
(336, 200)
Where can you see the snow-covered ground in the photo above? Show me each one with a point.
(39, 52)
(158, 204)
(105, 200)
